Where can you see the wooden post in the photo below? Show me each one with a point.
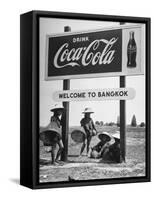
(122, 119)
(65, 126)
(122, 122)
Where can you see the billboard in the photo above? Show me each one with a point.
(108, 52)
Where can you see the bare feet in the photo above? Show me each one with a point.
(54, 164)
(59, 162)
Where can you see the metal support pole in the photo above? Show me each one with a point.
(122, 119)
(65, 126)
(122, 122)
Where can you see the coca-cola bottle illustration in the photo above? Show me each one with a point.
(131, 51)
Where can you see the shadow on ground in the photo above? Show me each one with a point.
(15, 180)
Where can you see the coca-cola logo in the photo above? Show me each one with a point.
(87, 55)
(84, 53)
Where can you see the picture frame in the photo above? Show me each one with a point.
(30, 83)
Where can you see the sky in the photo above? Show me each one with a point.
(105, 111)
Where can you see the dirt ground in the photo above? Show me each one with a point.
(83, 168)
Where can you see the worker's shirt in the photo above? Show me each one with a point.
(55, 120)
(104, 144)
(87, 124)
(55, 123)
(99, 146)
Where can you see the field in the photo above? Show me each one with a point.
(84, 168)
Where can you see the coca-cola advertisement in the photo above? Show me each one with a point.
(112, 51)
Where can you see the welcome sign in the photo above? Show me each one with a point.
(90, 54)
(94, 95)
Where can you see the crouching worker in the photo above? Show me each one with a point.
(112, 152)
(105, 141)
(89, 128)
(108, 148)
(52, 136)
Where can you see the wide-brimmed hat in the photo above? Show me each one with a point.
(106, 134)
(87, 110)
(57, 107)
(116, 135)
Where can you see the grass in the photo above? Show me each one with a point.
(86, 168)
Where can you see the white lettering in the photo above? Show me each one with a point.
(85, 55)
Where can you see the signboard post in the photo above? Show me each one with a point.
(65, 126)
(122, 119)
(122, 122)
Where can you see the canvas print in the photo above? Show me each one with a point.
(91, 100)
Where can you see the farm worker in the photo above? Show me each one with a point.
(108, 149)
(89, 128)
(51, 135)
(105, 140)
(56, 122)
(112, 151)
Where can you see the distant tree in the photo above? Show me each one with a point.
(111, 123)
(101, 123)
(106, 124)
(142, 124)
(97, 123)
(133, 122)
(118, 121)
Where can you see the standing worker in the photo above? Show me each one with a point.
(56, 122)
(89, 128)
(52, 134)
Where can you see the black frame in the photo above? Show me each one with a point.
(29, 98)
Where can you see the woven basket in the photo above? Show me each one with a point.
(78, 136)
(49, 137)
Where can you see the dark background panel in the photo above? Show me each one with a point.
(56, 42)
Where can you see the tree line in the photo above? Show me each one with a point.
(133, 122)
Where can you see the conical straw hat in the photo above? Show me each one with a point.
(101, 135)
(57, 107)
(88, 110)
(116, 135)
